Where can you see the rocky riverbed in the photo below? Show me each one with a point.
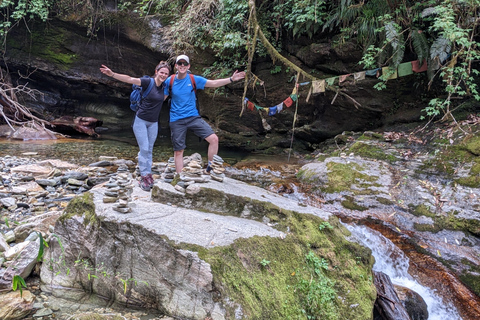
(420, 189)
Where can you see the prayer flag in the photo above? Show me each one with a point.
(389, 73)
(318, 86)
(288, 102)
(330, 81)
(294, 97)
(373, 72)
(272, 111)
(250, 105)
(405, 69)
(343, 77)
(279, 107)
(359, 75)
(416, 67)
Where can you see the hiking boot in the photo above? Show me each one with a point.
(144, 183)
(150, 180)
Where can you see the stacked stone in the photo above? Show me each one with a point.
(193, 172)
(119, 190)
(169, 172)
(218, 171)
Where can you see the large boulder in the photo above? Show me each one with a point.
(197, 263)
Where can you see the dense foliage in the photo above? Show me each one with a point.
(444, 32)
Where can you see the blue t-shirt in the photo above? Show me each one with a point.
(183, 97)
(149, 108)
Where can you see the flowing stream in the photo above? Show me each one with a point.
(391, 261)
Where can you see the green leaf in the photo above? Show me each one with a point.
(42, 246)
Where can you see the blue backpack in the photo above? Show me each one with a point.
(137, 95)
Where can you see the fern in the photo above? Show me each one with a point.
(440, 48)
(420, 44)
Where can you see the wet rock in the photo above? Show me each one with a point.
(413, 302)
(16, 305)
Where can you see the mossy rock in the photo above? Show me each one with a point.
(342, 176)
(82, 206)
(371, 152)
(421, 210)
(471, 278)
(450, 222)
(472, 144)
(273, 278)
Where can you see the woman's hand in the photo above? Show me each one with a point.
(106, 70)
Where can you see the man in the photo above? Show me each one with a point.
(184, 115)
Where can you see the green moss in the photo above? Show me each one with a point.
(451, 222)
(50, 44)
(470, 181)
(421, 210)
(447, 160)
(426, 227)
(471, 277)
(384, 201)
(472, 145)
(82, 205)
(342, 176)
(371, 152)
(350, 203)
(274, 290)
(366, 136)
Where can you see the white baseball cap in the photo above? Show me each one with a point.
(182, 57)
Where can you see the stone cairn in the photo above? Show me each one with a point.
(218, 171)
(169, 172)
(119, 190)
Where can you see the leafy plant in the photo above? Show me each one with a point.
(276, 69)
(324, 225)
(315, 289)
(264, 262)
(17, 283)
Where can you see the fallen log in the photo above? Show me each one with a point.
(69, 124)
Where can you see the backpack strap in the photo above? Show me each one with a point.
(149, 88)
(192, 80)
(172, 79)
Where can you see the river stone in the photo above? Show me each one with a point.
(40, 223)
(74, 175)
(3, 244)
(58, 164)
(21, 265)
(47, 182)
(413, 302)
(16, 305)
(8, 202)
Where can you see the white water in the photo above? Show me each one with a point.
(391, 261)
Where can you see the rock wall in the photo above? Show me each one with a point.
(62, 62)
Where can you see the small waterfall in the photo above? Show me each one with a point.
(391, 261)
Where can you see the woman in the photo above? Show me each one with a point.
(145, 125)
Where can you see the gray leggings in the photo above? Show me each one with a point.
(146, 134)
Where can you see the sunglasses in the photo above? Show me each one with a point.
(185, 64)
